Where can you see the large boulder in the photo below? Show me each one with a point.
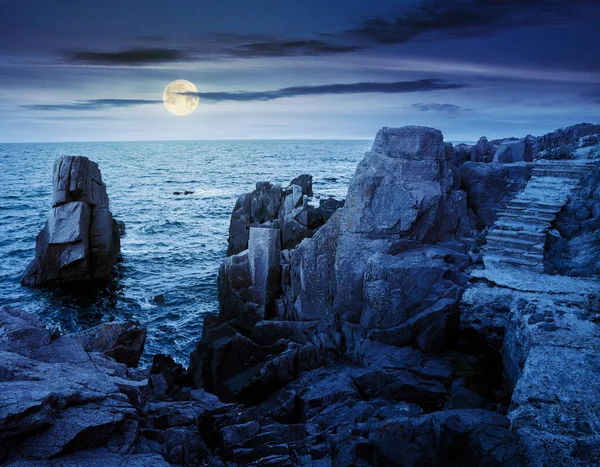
(405, 187)
(413, 297)
(80, 241)
(122, 341)
(490, 187)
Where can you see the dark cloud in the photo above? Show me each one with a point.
(93, 104)
(290, 48)
(127, 57)
(422, 85)
(431, 107)
(440, 19)
(428, 19)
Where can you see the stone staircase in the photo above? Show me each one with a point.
(518, 237)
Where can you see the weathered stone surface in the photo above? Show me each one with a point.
(490, 187)
(122, 341)
(77, 178)
(65, 405)
(259, 207)
(511, 151)
(264, 248)
(402, 188)
(304, 181)
(413, 297)
(80, 241)
(309, 276)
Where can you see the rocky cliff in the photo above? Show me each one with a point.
(80, 241)
(444, 313)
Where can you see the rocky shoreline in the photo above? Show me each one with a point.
(444, 313)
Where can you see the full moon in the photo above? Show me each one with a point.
(176, 99)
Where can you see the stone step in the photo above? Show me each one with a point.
(531, 209)
(537, 204)
(525, 236)
(580, 164)
(567, 163)
(526, 217)
(533, 248)
(515, 253)
(520, 225)
(559, 173)
(513, 262)
(562, 185)
(543, 200)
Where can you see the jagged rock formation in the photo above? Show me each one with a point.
(354, 346)
(80, 241)
(518, 237)
(364, 333)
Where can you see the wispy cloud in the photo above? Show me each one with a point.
(92, 104)
(422, 85)
(440, 108)
(132, 57)
(397, 87)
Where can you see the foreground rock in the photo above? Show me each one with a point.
(67, 404)
(80, 241)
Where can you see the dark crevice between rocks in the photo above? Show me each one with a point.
(486, 374)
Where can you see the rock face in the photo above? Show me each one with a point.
(405, 189)
(80, 241)
(490, 187)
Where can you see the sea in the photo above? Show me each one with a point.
(173, 243)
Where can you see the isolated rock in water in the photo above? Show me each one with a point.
(122, 341)
(80, 241)
(122, 228)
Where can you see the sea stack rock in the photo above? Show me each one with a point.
(80, 241)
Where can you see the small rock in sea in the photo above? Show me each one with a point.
(160, 299)
(186, 192)
(80, 241)
(177, 192)
(121, 226)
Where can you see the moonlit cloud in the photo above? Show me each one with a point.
(432, 107)
(93, 104)
(398, 87)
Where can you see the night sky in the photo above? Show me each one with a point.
(73, 70)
